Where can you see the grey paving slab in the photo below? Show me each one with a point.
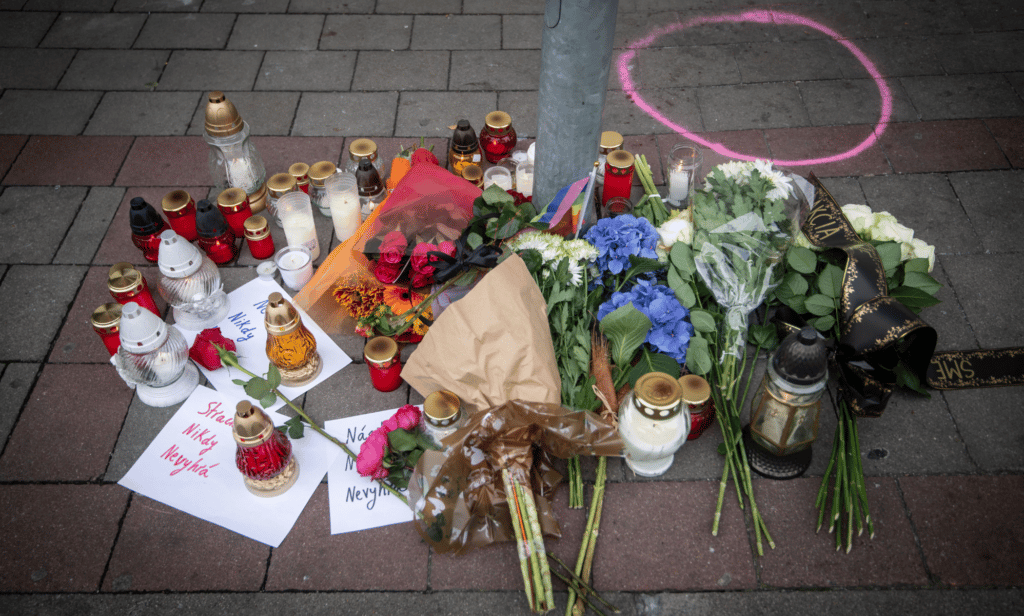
(982, 53)
(893, 57)
(963, 96)
(633, 26)
(1017, 81)
(686, 67)
(845, 190)
(162, 6)
(90, 225)
(94, 30)
(455, 31)
(401, 70)
(929, 205)
(15, 384)
(768, 105)
(427, 6)
(622, 114)
(349, 393)
(355, 114)
(291, 32)
(988, 422)
(45, 112)
(988, 293)
(331, 6)
(33, 68)
(428, 113)
(38, 297)
(211, 70)
(307, 71)
(141, 426)
(366, 32)
(495, 70)
(992, 202)
(21, 209)
(245, 6)
(185, 31)
(101, 69)
(101, 6)
(854, 101)
(522, 106)
(503, 6)
(786, 61)
(994, 15)
(144, 113)
(24, 29)
(522, 31)
(267, 113)
(878, 18)
(949, 318)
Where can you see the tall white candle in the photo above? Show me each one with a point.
(346, 213)
(679, 184)
(524, 179)
(300, 231)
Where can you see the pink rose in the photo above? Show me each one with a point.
(447, 248)
(386, 272)
(420, 260)
(370, 461)
(392, 248)
(391, 423)
(408, 417)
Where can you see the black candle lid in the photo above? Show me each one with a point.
(464, 138)
(209, 220)
(143, 218)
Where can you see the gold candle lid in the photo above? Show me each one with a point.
(251, 426)
(442, 408)
(299, 171)
(658, 395)
(232, 199)
(123, 277)
(318, 172)
(281, 183)
(258, 200)
(176, 200)
(256, 228)
(362, 148)
(281, 317)
(380, 350)
(498, 120)
(473, 173)
(107, 318)
(611, 140)
(695, 389)
(222, 118)
(620, 159)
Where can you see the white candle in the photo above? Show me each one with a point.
(524, 179)
(300, 231)
(296, 267)
(500, 176)
(679, 185)
(346, 213)
(242, 174)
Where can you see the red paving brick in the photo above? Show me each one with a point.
(167, 161)
(647, 145)
(117, 244)
(802, 558)
(57, 538)
(279, 153)
(54, 439)
(1009, 134)
(657, 536)
(161, 548)
(69, 161)
(800, 144)
(950, 145)
(10, 146)
(971, 527)
(745, 142)
(311, 558)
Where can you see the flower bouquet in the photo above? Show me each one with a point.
(392, 450)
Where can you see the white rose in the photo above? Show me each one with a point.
(674, 230)
(860, 216)
(923, 250)
(888, 230)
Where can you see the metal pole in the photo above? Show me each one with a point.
(576, 56)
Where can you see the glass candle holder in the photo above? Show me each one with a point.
(106, 321)
(616, 206)
(524, 179)
(465, 148)
(154, 357)
(343, 202)
(497, 137)
(473, 174)
(180, 210)
(279, 185)
(300, 171)
(190, 283)
(384, 360)
(127, 284)
(257, 236)
(263, 454)
(234, 161)
(233, 203)
(318, 174)
(296, 266)
(500, 176)
(215, 236)
(146, 227)
(371, 188)
(360, 149)
(296, 212)
(684, 173)
(618, 176)
(442, 415)
(697, 398)
(290, 345)
(610, 141)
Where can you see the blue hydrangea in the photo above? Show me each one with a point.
(670, 326)
(617, 238)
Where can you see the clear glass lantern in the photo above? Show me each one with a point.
(234, 161)
(787, 406)
(190, 283)
(154, 357)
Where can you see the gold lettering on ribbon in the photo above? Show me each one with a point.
(954, 368)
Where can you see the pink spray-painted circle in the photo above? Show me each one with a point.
(763, 17)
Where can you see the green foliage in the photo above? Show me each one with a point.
(496, 217)
(626, 328)
(294, 428)
(653, 362)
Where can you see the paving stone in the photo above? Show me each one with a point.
(727, 144)
(346, 114)
(802, 558)
(390, 32)
(522, 106)
(1009, 133)
(47, 428)
(226, 71)
(427, 6)
(69, 161)
(117, 242)
(157, 5)
(10, 147)
(37, 298)
(58, 537)
(165, 161)
(103, 69)
(101, 6)
(969, 519)
(21, 207)
(874, 18)
(306, 70)
(144, 113)
(349, 393)
(450, 31)
(267, 113)
(820, 144)
(401, 70)
(982, 53)
(331, 6)
(845, 190)
(245, 6)
(651, 148)
(991, 200)
(503, 6)
(495, 70)
(15, 385)
(185, 31)
(854, 101)
(770, 105)
(195, 555)
(948, 318)
(279, 153)
(928, 204)
(310, 558)
(141, 426)
(92, 30)
(674, 67)
(952, 145)
(287, 32)
(429, 114)
(633, 26)
(996, 15)
(46, 112)
(622, 113)
(967, 96)
(986, 306)
(24, 29)
(987, 421)
(785, 61)
(635, 548)
(893, 57)
(522, 31)
(33, 68)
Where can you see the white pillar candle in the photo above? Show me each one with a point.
(302, 232)
(346, 213)
(679, 184)
(500, 176)
(524, 179)
(296, 266)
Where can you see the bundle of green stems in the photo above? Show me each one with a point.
(849, 494)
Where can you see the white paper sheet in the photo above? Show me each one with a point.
(190, 466)
(358, 502)
(244, 325)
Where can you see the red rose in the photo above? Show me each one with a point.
(408, 417)
(204, 353)
(447, 248)
(420, 259)
(370, 461)
(392, 248)
(386, 272)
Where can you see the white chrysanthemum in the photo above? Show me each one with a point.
(579, 250)
(860, 216)
(923, 250)
(545, 243)
(782, 186)
(576, 272)
(676, 229)
(736, 171)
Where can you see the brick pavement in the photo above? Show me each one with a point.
(103, 100)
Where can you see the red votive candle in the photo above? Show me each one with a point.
(385, 363)
(234, 204)
(106, 321)
(697, 398)
(215, 236)
(127, 284)
(618, 176)
(497, 137)
(180, 210)
(146, 227)
(257, 235)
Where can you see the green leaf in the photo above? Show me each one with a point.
(912, 298)
(268, 400)
(795, 283)
(917, 265)
(763, 336)
(257, 388)
(626, 327)
(803, 260)
(533, 260)
(722, 449)
(273, 376)
(683, 290)
(890, 254)
(496, 197)
(474, 240)
(906, 378)
(238, 382)
(797, 303)
(922, 281)
(642, 265)
(830, 281)
(401, 440)
(295, 427)
(681, 257)
(698, 356)
(653, 362)
(823, 324)
(703, 321)
(820, 305)
(414, 457)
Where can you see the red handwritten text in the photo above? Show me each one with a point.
(213, 412)
(203, 437)
(181, 463)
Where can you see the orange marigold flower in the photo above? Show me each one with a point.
(359, 297)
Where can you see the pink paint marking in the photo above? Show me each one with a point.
(762, 16)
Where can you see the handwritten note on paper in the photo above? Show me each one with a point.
(244, 325)
(190, 466)
(358, 502)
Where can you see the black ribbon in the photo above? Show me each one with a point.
(484, 256)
